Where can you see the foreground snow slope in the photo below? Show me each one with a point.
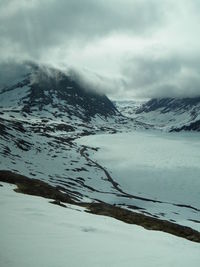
(37, 233)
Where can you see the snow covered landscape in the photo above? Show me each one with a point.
(99, 133)
(96, 160)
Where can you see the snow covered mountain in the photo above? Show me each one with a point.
(128, 107)
(46, 90)
(170, 114)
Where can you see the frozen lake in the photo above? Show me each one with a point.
(152, 164)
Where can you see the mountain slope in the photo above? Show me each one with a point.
(171, 113)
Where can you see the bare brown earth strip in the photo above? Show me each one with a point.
(40, 188)
(34, 187)
(147, 222)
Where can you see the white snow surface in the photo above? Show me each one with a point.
(37, 233)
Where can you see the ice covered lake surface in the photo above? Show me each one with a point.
(37, 233)
(153, 164)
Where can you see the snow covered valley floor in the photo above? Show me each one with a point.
(37, 233)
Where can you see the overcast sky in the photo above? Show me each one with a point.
(125, 48)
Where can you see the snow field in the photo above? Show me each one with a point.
(37, 233)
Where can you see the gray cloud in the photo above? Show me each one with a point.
(124, 48)
(169, 76)
(11, 72)
(36, 26)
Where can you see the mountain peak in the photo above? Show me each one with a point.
(45, 88)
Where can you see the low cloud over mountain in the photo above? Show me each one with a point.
(126, 49)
